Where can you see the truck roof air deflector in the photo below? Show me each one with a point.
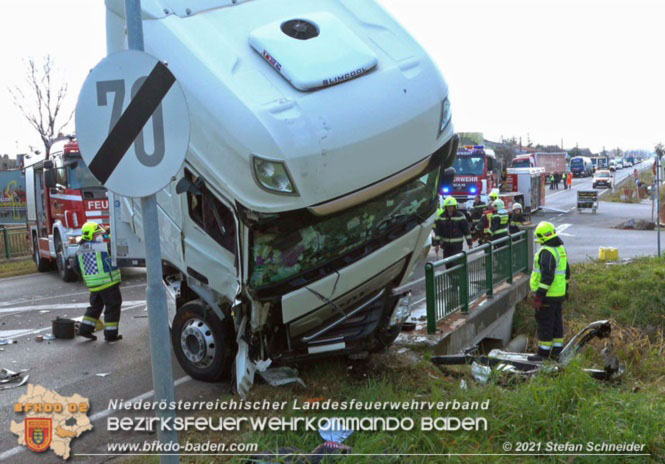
(312, 51)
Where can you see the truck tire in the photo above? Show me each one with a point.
(203, 344)
(42, 265)
(64, 271)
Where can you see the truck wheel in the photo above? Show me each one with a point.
(204, 345)
(42, 265)
(64, 271)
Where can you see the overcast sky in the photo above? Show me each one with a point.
(587, 72)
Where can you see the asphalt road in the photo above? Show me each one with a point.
(29, 303)
(27, 307)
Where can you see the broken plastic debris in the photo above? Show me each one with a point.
(262, 365)
(11, 379)
(6, 341)
(332, 431)
(463, 385)
(39, 338)
(102, 374)
(278, 376)
(49, 337)
(44, 311)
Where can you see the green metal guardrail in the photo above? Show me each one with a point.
(452, 283)
(14, 242)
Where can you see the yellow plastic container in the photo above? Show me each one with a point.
(608, 254)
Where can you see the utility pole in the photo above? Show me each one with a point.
(658, 159)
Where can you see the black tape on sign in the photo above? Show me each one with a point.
(131, 123)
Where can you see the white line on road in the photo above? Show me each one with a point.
(79, 319)
(24, 300)
(95, 417)
(59, 305)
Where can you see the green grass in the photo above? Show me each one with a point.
(645, 176)
(17, 267)
(567, 407)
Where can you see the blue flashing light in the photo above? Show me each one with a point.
(446, 189)
(473, 190)
(479, 147)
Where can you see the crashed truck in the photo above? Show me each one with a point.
(320, 135)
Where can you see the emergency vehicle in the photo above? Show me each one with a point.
(477, 172)
(320, 131)
(61, 195)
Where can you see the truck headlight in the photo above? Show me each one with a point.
(273, 176)
(445, 115)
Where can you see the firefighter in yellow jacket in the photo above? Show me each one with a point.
(549, 282)
(103, 281)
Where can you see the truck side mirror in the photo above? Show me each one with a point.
(447, 176)
(49, 178)
(186, 185)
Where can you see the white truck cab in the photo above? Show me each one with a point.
(320, 135)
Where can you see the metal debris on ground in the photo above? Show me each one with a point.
(49, 337)
(498, 362)
(278, 376)
(333, 431)
(6, 341)
(12, 379)
(39, 338)
(102, 374)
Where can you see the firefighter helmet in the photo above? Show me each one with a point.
(450, 201)
(545, 231)
(89, 230)
(494, 194)
(517, 206)
(499, 205)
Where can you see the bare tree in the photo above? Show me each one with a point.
(42, 100)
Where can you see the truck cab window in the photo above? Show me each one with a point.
(213, 216)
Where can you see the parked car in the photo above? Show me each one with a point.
(619, 164)
(602, 178)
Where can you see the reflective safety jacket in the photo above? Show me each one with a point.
(550, 272)
(516, 221)
(500, 224)
(451, 230)
(477, 214)
(96, 269)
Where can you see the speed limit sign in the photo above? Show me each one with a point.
(132, 123)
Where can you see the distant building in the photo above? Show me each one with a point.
(7, 163)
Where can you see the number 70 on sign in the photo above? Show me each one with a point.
(110, 123)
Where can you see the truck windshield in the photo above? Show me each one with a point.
(577, 162)
(80, 176)
(469, 165)
(521, 163)
(286, 248)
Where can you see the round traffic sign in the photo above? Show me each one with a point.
(132, 123)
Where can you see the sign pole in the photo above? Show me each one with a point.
(658, 200)
(162, 367)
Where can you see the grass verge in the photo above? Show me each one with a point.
(569, 409)
(646, 176)
(17, 267)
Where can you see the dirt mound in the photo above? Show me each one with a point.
(632, 224)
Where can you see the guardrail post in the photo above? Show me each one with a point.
(530, 247)
(431, 298)
(489, 270)
(5, 235)
(464, 284)
(510, 259)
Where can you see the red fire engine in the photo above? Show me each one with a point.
(62, 194)
(477, 172)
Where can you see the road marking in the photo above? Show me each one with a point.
(60, 305)
(561, 228)
(78, 319)
(24, 300)
(95, 417)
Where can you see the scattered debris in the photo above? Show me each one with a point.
(141, 317)
(102, 374)
(332, 431)
(44, 311)
(49, 337)
(39, 338)
(12, 379)
(278, 376)
(640, 224)
(498, 362)
(463, 385)
(6, 341)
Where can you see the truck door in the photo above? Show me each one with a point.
(211, 239)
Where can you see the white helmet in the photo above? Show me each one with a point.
(517, 206)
